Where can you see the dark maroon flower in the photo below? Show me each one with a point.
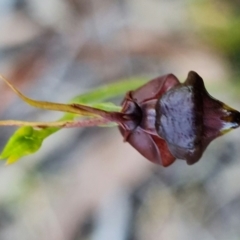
(167, 120)
(164, 120)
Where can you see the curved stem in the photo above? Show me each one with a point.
(61, 124)
(71, 108)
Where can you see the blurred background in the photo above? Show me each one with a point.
(86, 184)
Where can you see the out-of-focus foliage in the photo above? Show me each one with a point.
(218, 25)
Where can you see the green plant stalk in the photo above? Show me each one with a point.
(27, 140)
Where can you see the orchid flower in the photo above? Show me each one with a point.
(163, 120)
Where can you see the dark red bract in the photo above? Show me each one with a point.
(165, 120)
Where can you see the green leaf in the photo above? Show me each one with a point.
(24, 141)
(27, 140)
(109, 91)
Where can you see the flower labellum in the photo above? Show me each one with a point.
(165, 120)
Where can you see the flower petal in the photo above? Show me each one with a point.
(154, 88)
(166, 157)
(143, 143)
(151, 147)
